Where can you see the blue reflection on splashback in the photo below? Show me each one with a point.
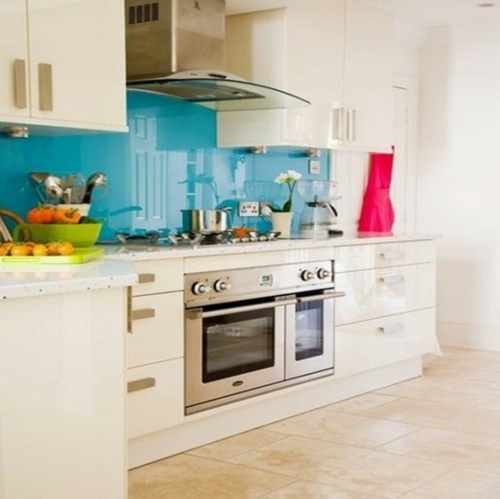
(166, 163)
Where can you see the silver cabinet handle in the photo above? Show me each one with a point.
(391, 328)
(140, 384)
(129, 310)
(197, 313)
(143, 313)
(351, 125)
(145, 278)
(45, 87)
(392, 279)
(337, 123)
(392, 255)
(20, 89)
(326, 296)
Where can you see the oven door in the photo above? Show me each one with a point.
(310, 345)
(233, 349)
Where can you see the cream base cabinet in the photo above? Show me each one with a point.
(155, 349)
(388, 313)
(336, 54)
(63, 64)
(62, 397)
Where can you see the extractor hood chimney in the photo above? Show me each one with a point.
(176, 47)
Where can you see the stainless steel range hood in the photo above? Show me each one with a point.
(170, 42)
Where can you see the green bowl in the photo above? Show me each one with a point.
(79, 235)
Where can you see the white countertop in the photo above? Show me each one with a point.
(142, 252)
(17, 280)
(117, 270)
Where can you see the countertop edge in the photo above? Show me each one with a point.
(40, 280)
(145, 252)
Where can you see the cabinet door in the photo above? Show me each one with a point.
(378, 292)
(14, 47)
(368, 78)
(315, 58)
(77, 62)
(372, 344)
(155, 397)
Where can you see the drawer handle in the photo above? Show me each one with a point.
(143, 313)
(392, 255)
(392, 279)
(45, 87)
(20, 89)
(391, 328)
(145, 278)
(140, 384)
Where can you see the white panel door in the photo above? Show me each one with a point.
(14, 46)
(82, 43)
(368, 77)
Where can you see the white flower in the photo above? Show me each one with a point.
(288, 177)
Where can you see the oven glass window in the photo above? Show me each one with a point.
(238, 343)
(309, 330)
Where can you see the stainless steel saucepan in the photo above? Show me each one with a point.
(206, 221)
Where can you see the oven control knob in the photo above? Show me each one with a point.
(323, 273)
(200, 288)
(220, 285)
(307, 275)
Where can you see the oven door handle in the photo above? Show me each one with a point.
(326, 296)
(197, 313)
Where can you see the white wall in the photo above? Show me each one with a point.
(458, 194)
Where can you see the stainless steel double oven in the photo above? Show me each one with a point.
(254, 330)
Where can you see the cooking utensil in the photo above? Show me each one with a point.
(4, 230)
(53, 187)
(206, 221)
(37, 179)
(94, 181)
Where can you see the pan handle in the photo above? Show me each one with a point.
(15, 218)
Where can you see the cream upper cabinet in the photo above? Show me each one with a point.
(63, 64)
(13, 57)
(336, 54)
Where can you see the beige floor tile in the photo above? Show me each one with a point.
(442, 416)
(449, 447)
(347, 429)
(309, 490)
(233, 446)
(444, 389)
(459, 484)
(368, 472)
(360, 403)
(191, 477)
(472, 359)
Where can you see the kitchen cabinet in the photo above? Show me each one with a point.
(54, 56)
(388, 313)
(155, 348)
(62, 389)
(337, 54)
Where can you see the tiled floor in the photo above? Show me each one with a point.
(434, 437)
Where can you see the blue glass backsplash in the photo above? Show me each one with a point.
(167, 162)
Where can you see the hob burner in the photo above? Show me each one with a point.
(226, 237)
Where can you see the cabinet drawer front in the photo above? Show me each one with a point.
(371, 344)
(157, 329)
(155, 397)
(369, 256)
(158, 276)
(375, 293)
